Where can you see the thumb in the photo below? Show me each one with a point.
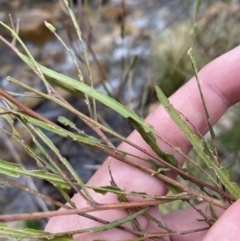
(227, 227)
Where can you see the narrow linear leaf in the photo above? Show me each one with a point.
(195, 68)
(88, 140)
(213, 214)
(5, 231)
(175, 190)
(151, 141)
(119, 222)
(197, 145)
(106, 100)
(16, 170)
(66, 122)
(105, 189)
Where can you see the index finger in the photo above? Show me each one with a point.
(220, 81)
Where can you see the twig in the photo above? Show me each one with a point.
(201, 197)
(10, 182)
(98, 207)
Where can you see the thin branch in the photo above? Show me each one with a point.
(118, 155)
(195, 194)
(99, 207)
(10, 182)
(166, 234)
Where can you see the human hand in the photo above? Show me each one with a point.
(220, 81)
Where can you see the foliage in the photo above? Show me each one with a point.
(210, 188)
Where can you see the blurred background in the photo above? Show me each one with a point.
(132, 44)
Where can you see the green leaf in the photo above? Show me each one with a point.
(175, 190)
(105, 189)
(30, 233)
(151, 141)
(90, 91)
(88, 140)
(66, 122)
(214, 153)
(119, 222)
(112, 189)
(141, 194)
(15, 170)
(197, 144)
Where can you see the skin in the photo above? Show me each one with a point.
(220, 81)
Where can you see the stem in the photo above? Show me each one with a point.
(98, 207)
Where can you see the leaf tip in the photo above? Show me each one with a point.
(190, 51)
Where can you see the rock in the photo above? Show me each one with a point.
(32, 27)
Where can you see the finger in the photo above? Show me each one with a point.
(190, 221)
(220, 83)
(227, 227)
